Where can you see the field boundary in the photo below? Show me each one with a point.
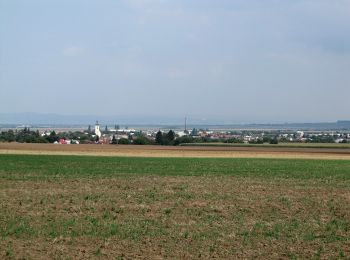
(172, 151)
(273, 146)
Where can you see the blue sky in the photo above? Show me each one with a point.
(242, 61)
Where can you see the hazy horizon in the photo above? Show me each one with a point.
(236, 61)
(59, 119)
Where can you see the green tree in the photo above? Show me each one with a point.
(171, 135)
(183, 140)
(141, 140)
(266, 139)
(114, 140)
(123, 141)
(159, 137)
(274, 141)
(53, 137)
(234, 140)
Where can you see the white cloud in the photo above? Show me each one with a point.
(73, 51)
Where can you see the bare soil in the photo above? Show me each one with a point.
(174, 217)
(177, 217)
(175, 151)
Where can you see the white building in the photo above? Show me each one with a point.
(97, 130)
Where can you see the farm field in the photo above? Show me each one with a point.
(275, 146)
(64, 206)
(266, 151)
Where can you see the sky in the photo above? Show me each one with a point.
(235, 60)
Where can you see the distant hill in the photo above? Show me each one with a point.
(38, 119)
(56, 119)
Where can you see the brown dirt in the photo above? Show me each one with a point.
(207, 217)
(172, 151)
(221, 217)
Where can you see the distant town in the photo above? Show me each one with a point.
(115, 134)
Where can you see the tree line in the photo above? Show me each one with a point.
(22, 136)
(29, 136)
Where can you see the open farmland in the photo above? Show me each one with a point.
(309, 151)
(132, 207)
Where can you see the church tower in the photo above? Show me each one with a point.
(97, 130)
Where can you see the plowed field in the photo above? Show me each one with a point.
(57, 206)
(177, 151)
